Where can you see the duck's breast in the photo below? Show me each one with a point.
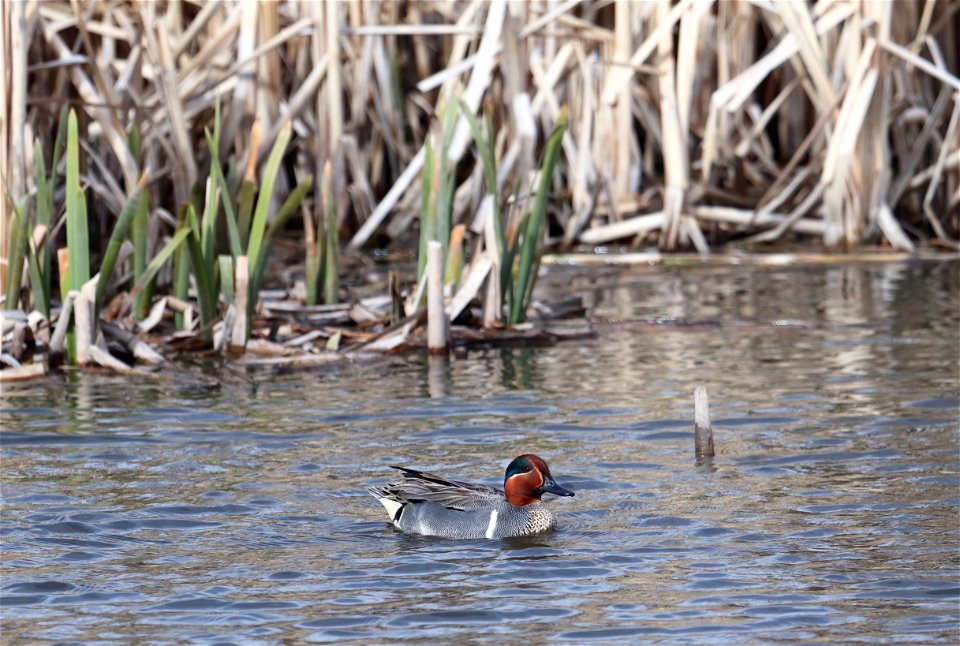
(523, 521)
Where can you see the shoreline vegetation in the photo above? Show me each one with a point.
(242, 177)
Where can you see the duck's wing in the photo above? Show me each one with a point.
(419, 486)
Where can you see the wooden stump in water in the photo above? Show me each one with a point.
(83, 326)
(702, 429)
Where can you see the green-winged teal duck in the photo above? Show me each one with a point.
(431, 505)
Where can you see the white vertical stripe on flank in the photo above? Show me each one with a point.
(492, 525)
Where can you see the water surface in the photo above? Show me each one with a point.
(232, 507)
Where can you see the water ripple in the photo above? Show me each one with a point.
(161, 514)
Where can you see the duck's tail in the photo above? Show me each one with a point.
(390, 502)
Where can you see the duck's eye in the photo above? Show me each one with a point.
(518, 467)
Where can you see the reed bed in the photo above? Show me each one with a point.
(204, 129)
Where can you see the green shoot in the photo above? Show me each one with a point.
(202, 269)
(151, 270)
(78, 241)
(130, 209)
(331, 236)
(15, 254)
(532, 244)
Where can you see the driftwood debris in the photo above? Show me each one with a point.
(23, 373)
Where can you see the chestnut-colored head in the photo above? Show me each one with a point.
(527, 479)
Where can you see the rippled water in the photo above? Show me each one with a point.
(178, 510)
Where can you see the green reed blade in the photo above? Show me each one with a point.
(134, 142)
(213, 143)
(139, 229)
(44, 217)
(226, 277)
(509, 296)
(44, 201)
(290, 206)
(248, 190)
(314, 251)
(40, 283)
(58, 142)
(258, 229)
(445, 207)
(508, 270)
(158, 261)
(202, 273)
(117, 237)
(485, 150)
(312, 268)
(63, 134)
(78, 242)
(20, 248)
(262, 210)
(208, 228)
(331, 238)
(15, 256)
(427, 204)
(533, 233)
(181, 268)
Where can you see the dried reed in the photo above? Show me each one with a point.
(729, 109)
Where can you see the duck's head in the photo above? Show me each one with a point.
(527, 479)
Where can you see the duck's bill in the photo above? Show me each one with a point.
(551, 486)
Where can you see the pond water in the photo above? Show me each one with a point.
(179, 511)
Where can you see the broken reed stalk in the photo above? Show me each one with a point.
(437, 339)
(59, 338)
(702, 428)
(141, 350)
(83, 326)
(241, 324)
